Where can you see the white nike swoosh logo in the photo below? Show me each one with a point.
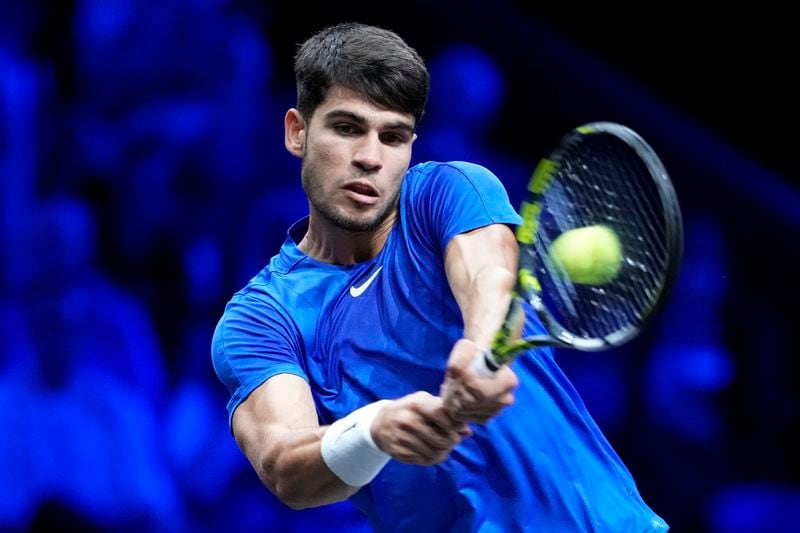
(355, 292)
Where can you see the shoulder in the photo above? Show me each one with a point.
(250, 312)
(263, 301)
(449, 170)
(448, 179)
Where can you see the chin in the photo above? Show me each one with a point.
(358, 223)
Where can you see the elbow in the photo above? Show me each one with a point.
(280, 482)
(299, 496)
(291, 497)
(286, 481)
(289, 488)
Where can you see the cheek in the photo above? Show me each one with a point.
(396, 180)
(317, 160)
(321, 164)
(321, 153)
(326, 153)
(399, 165)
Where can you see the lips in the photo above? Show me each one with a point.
(362, 188)
(362, 192)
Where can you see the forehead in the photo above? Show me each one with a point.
(350, 101)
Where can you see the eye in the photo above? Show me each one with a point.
(344, 128)
(393, 138)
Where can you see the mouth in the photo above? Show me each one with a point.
(362, 192)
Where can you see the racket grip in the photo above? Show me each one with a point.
(484, 365)
(487, 363)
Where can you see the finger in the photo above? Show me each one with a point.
(507, 400)
(485, 411)
(507, 378)
(467, 404)
(438, 438)
(502, 383)
(443, 422)
(461, 356)
(427, 421)
(440, 417)
(458, 399)
(479, 417)
(445, 430)
(415, 449)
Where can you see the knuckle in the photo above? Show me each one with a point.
(511, 380)
(416, 397)
(453, 371)
(405, 421)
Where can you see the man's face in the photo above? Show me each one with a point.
(355, 155)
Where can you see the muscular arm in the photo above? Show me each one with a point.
(480, 267)
(278, 431)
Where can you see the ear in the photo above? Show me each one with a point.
(294, 132)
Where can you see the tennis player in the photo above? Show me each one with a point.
(347, 357)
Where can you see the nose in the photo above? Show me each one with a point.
(367, 155)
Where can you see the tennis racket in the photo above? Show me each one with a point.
(604, 175)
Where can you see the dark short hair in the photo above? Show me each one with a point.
(370, 60)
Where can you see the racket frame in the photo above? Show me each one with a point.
(503, 350)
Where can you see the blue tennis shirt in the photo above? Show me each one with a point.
(384, 328)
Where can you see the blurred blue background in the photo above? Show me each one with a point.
(143, 180)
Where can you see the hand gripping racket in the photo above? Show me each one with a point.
(602, 180)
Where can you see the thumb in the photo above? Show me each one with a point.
(464, 350)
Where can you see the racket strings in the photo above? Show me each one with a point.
(637, 218)
(615, 191)
(606, 183)
(647, 257)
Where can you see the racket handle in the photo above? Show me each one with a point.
(484, 365)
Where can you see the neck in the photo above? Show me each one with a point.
(330, 244)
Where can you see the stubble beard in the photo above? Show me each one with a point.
(336, 215)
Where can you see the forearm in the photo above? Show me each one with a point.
(481, 270)
(277, 429)
(489, 296)
(293, 469)
(306, 465)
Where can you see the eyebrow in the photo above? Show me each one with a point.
(359, 119)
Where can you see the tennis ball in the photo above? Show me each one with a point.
(590, 255)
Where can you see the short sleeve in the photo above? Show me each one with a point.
(446, 199)
(252, 342)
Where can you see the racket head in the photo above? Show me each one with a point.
(601, 173)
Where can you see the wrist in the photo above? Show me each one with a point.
(349, 450)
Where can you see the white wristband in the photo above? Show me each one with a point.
(348, 449)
